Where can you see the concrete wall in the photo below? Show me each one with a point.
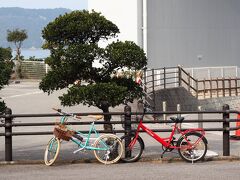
(174, 96)
(193, 33)
(217, 103)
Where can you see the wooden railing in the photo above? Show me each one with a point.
(161, 78)
(187, 81)
(219, 87)
(170, 77)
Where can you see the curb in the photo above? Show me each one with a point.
(143, 159)
(177, 159)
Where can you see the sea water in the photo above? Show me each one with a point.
(37, 53)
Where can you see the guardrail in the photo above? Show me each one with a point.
(8, 123)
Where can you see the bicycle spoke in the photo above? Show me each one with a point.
(113, 152)
(192, 147)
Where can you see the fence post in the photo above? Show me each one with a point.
(8, 135)
(217, 88)
(223, 86)
(128, 129)
(230, 86)
(200, 117)
(179, 115)
(196, 89)
(226, 142)
(211, 91)
(236, 86)
(189, 82)
(179, 76)
(204, 88)
(153, 88)
(145, 79)
(164, 77)
(164, 103)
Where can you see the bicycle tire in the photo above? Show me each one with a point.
(195, 154)
(114, 151)
(52, 149)
(136, 151)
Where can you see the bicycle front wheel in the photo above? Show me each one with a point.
(109, 149)
(52, 151)
(133, 154)
(198, 149)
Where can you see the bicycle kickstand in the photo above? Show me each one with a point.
(164, 152)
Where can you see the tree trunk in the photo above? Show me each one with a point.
(18, 64)
(107, 118)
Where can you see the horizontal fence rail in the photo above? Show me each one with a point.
(8, 123)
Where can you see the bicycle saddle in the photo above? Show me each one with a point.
(177, 119)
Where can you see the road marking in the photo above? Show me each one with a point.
(20, 95)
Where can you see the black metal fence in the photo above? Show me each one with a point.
(8, 123)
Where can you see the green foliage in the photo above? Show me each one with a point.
(2, 106)
(73, 41)
(5, 54)
(33, 58)
(5, 70)
(125, 54)
(16, 36)
(5, 66)
(78, 27)
(94, 94)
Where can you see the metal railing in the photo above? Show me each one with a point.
(170, 77)
(8, 123)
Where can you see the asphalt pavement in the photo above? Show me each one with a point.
(214, 170)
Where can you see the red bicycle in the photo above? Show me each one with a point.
(191, 145)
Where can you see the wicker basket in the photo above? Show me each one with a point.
(63, 133)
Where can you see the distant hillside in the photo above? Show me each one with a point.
(33, 20)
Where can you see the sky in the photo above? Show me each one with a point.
(39, 4)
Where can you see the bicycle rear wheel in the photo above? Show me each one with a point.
(197, 152)
(135, 153)
(52, 151)
(110, 149)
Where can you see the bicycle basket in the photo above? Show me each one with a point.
(133, 118)
(62, 132)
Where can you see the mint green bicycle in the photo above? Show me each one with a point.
(107, 148)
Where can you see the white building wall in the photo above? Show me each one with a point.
(192, 33)
(123, 13)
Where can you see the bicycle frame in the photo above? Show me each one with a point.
(166, 142)
(87, 137)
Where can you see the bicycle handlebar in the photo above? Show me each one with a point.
(96, 117)
(64, 113)
(58, 110)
